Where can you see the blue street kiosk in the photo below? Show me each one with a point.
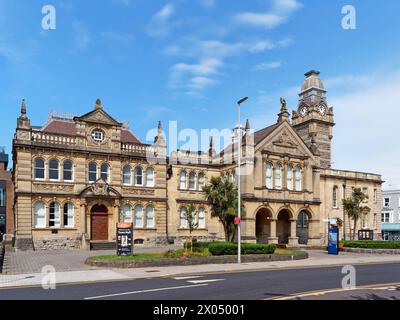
(333, 240)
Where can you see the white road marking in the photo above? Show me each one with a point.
(144, 291)
(206, 281)
(187, 278)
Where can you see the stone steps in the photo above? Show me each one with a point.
(102, 245)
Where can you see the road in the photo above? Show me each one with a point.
(257, 285)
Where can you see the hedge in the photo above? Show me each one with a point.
(203, 245)
(372, 244)
(222, 249)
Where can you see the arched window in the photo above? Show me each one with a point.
(139, 216)
(183, 223)
(268, 175)
(192, 180)
(54, 169)
(105, 172)
(150, 177)
(202, 181)
(150, 217)
(127, 176)
(68, 170)
(278, 176)
(335, 197)
(289, 180)
(39, 168)
(54, 215)
(298, 178)
(92, 170)
(138, 176)
(40, 215)
(68, 215)
(182, 180)
(127, 213)
(201, 219)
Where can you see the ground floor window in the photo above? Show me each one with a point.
(68, 215)
(40, 215)
(54, 215)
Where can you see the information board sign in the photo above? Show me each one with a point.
(124, 239)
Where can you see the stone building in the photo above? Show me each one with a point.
(75, 178)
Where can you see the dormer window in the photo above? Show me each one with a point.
(98, 135)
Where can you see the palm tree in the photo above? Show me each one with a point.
(352, 206)
(222, 196)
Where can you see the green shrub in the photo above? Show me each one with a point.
(204, 244)
(372, 244)
(221, 249)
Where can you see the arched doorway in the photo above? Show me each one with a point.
(302, 227)
(99, 223)
(263, 225)
(283, 227)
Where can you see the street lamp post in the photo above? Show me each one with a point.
(239, 142)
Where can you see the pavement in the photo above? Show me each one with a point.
(70, 269)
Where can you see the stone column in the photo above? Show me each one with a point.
(273, 238)
(85, 245)
(293, 240)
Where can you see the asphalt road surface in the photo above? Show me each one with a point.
(255, 285)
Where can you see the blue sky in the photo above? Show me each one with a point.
(190, 60)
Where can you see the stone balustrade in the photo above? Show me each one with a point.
(134, 148)
(54, 139)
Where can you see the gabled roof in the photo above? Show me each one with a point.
(96, 115)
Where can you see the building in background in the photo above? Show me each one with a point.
(76, 177)
(391, 215)
(6, 198)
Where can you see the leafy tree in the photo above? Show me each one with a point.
(222, 197)
(192, 223)
(352, 206)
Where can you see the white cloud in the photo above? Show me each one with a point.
(278, 14)
(267, 66)
(159, 24)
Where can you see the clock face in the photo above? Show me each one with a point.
(303, 111)
(322, 109)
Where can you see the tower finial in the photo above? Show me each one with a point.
(284, 114)
(98, 105)
(159, 126)
(23, 109)
(247, 125)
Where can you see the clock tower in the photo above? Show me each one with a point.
(313, 119)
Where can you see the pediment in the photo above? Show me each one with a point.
(100, 188)
(284, 140)
(99, 116)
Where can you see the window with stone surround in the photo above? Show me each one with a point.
(298, 179)
(54, 169)
(335, 197)
(268, 175)
(139, 216)
(54, 215)
(150, 217)
(68, 170)
(127, 175)
(92, 172)
(201, 218)
(183, 223)
(138, 176)
(150, 177)
(127, 213)
(192, 180)
(202, 181)
(69, 215)
(278, 176)
(105, 172)
(39, 169)
(289, 179)
(182, 180)
(40, 215)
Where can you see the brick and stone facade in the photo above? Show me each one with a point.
(6, 198)
(76, 178)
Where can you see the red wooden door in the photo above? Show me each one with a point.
(99, 226)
